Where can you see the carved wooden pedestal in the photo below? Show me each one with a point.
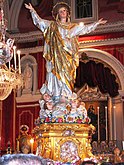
(52, 137)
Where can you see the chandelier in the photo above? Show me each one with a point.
(10, 77)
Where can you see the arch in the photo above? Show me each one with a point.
(108, 59)
(32, 61)
(14, 14)
(28, 57)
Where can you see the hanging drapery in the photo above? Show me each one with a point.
(95, 74)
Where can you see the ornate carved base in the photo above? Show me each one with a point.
(60, 141)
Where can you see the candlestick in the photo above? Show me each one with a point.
(98, 124)
(14, 48)
(19, 63)
(106, 123)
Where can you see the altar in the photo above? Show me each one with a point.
(64, 141)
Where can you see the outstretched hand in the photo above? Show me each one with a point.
(101, 21)
(29, 6)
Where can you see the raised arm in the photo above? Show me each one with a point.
(42, 24)
(82, 29)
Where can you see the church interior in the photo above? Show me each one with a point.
(99, 84)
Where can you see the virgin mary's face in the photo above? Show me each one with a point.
(62, 13)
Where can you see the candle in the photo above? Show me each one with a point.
(32, 142)
(14, 48)
(123, 145)
(106, 123)
(114, 113)
(19, 63)
(17, 145)
(98, 124)
(2, 21)
(0, 142)
(9, 64)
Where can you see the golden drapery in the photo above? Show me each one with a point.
(64, 61)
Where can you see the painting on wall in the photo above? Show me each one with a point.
(98, 113)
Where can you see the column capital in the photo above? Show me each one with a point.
(121, 93)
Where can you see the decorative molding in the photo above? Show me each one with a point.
(28, 98)
(26, 37)
(117, 100)
(23, 106)
(92, 43)
(37, 35)
(84, 44)
(110, 27)
(91, 94)
(121, 93)
(32, 117)
(27, 51)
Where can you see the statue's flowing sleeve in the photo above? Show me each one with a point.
(42, 24)
(80, 29)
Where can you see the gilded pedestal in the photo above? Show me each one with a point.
(52, 136)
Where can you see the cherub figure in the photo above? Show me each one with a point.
(46, 97)
(46, 105)
(73, 114)
(82, 110)
(49, 108)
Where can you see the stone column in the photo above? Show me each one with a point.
(35, 79)
(118, 120)
(122, 98)
(110, 118)
(0, 123)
